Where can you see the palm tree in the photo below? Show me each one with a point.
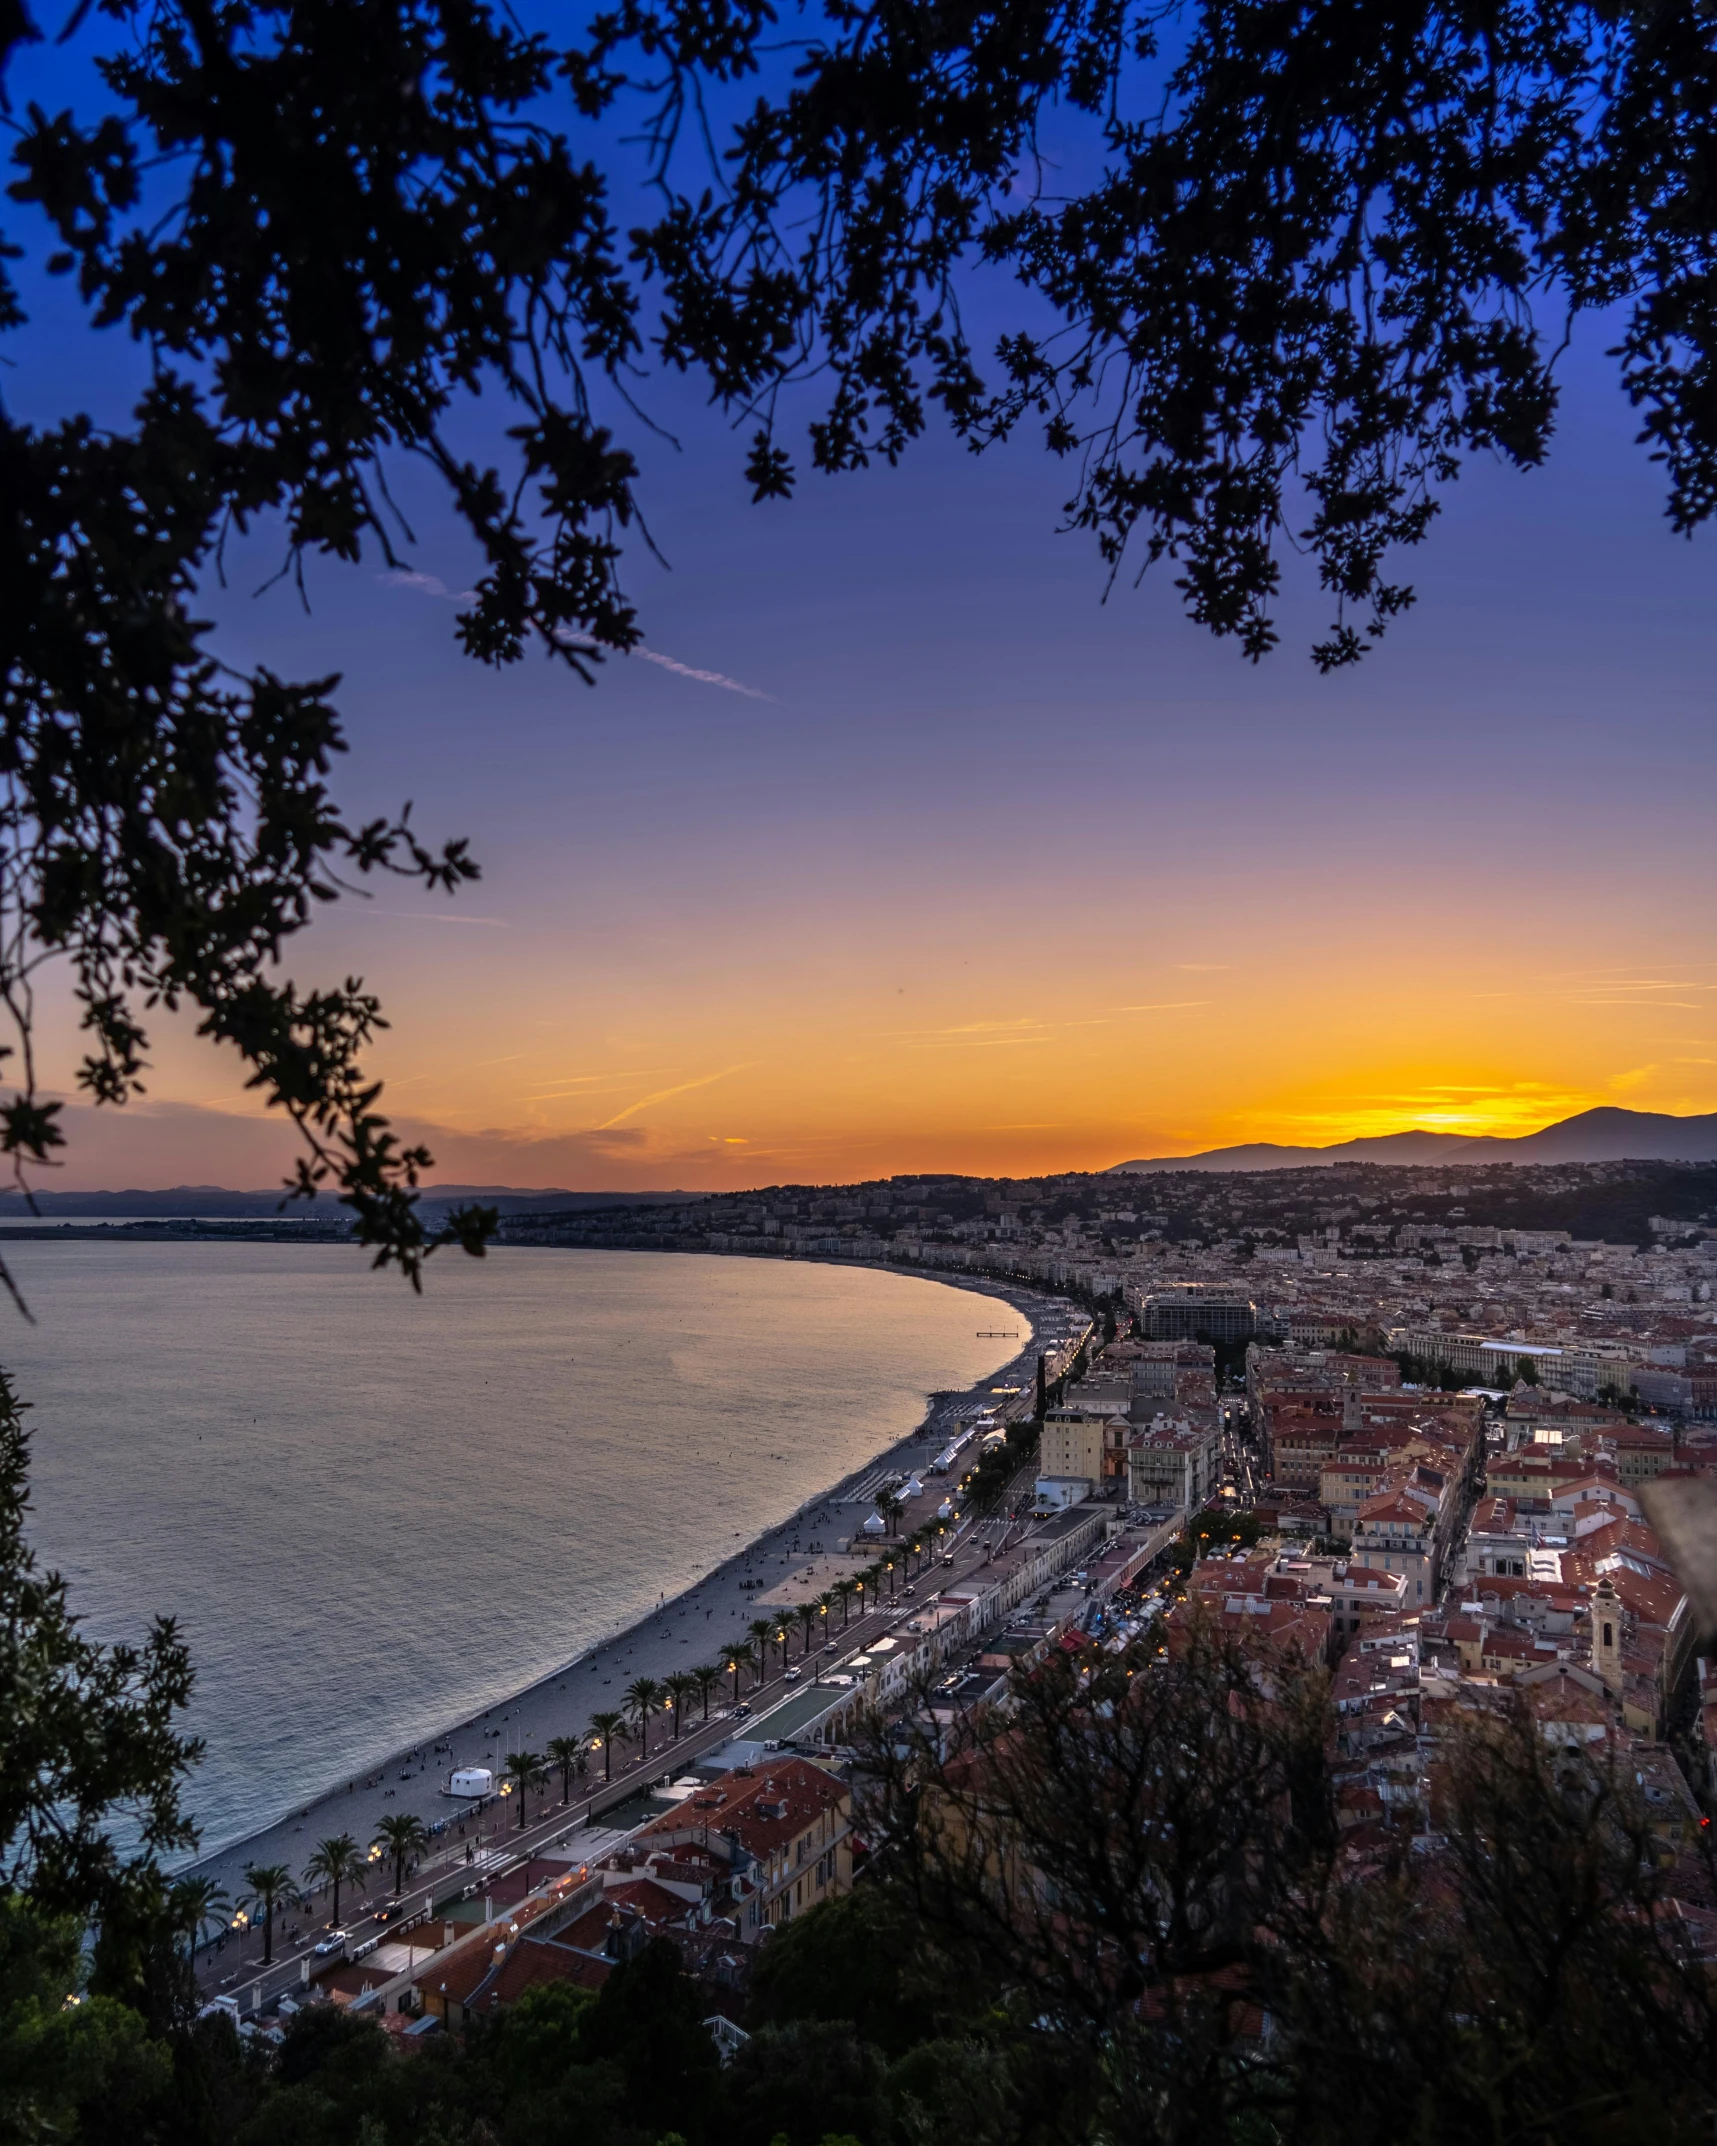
(762, 1633)
(641, 1695)
(565, 1752)
(197, 1904)
(405, 1836)
(269, 1884)
(738, 1659)
(807, 1622)
(843, 1591)
(607, 1727)
(337, 1862)
(890, 1505)
(706, 1679)
(679, 1688)
(527, 1769)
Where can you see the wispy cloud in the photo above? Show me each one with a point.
(975, 1028)
(405, 577)
(572, 1087)
(401, 577)
(661, 1095)
(1163, 1005)
(443, 916)
(1202, 968)
(704, 678)
(974, 1035)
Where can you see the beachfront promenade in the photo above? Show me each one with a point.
(695, 1628)
(456, 1898)
(484, 1849)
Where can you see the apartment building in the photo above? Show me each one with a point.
(1074, 1438)
(1174, 1463)
(784, 1832)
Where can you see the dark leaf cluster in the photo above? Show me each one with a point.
(1329, 251)
(1140, 1860)
(1310, 255)
(90, 1742)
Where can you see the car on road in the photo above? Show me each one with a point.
(335, 1941)
(742, 1712)
(793, 1675)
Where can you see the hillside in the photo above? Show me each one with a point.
(1602, 1135)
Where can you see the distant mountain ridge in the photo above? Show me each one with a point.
(220, 1203)
(1602, 1135)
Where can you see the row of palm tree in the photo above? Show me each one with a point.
(338, 1862)
(646, 1696)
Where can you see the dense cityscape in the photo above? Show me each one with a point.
(670, 673)
(1385, 1434)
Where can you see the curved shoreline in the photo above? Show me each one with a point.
(561, 1700)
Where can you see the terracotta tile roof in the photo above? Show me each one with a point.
(763, 1808)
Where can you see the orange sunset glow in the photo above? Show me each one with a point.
(735, 1082)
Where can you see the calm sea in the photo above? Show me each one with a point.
(374, 1513)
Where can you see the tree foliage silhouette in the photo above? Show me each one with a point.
(88, 1736)
(1319, 255)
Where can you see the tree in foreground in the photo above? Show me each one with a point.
(89, 1737)
(81, 2070)
(1309, 261)
(1136, 1869)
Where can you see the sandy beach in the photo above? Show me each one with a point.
(681, 1633)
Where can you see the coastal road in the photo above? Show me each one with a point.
(480, 1847)
(696, 1628)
